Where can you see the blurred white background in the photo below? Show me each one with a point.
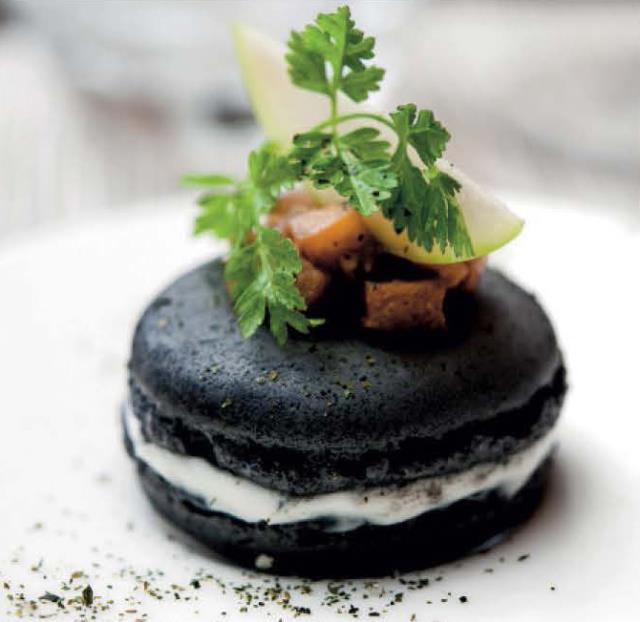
(103, 104)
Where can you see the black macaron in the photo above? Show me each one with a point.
(334, 412)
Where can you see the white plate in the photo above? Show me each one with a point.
(69, 500)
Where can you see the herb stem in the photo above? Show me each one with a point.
(334, 121)
(338, 66)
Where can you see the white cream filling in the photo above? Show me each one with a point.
(224, 492)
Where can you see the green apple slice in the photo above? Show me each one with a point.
(489, 222)
(283, 110)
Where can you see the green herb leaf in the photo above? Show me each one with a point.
(262, 265)
(270, 173)
(87, 596)
(357, 165)
(424, 203)
(358, 84)
(421, 130)
(306, 68)
(408, 207)
(457, 235)
(206, 181)
(333, 40)
(232, 212)
(329, 56)
(366, 183)
(262, 278)
(365, 145)
(216, 216)
(53, 598)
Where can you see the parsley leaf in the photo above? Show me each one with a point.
(421, 130)
(232, 209)
(424, 202)
(306, 67)
(356, 165)
(206, 180)
(358, 84)
(444, 187)
(408, 205)
(366, 182)
(365, 145)
(217, 215)
(261, 276)
(333, 40)
(329, 56)
(270, 173)
(261, 265)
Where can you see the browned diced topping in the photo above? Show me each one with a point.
(287, 206)
(464, 274)
(401, 305)
(326, 235)
(311, 282)
(334, 242)
(476, 268)
(349, 263)
(451, 275)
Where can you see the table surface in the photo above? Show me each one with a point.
(73, 514)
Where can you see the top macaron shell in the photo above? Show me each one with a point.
(189, 365)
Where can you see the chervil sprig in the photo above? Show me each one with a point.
(330, 56)
(261, 266)
(232, 209)
(357, 165)
(333, 42)
(424, 202)
(261, 277)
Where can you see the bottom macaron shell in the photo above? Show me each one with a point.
(311, 549)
